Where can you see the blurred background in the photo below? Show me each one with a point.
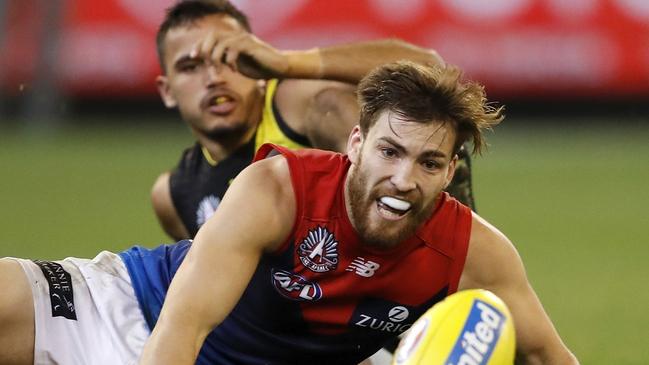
(83, 134)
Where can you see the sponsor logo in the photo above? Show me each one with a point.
(319, 250)
(398, 314)
(392, 324)
(206, 209)
(61, 293)
(363, 268)
(295, 287)
(478, 337)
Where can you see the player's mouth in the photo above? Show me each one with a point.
(220, 104)
(392, 208)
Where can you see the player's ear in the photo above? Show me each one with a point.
(162, 82)
(354, 144)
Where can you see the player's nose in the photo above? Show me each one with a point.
(403, 178)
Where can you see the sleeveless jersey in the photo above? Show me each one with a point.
(198, 184)
(324, 297)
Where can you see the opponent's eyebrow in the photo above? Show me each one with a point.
(426, 154)
(186, 58)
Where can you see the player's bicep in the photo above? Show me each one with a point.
(295, 99)
(331, 115)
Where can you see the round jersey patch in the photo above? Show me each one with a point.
(318, 252)
(295, 287)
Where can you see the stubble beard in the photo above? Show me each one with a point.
(361, 204)
(224, 135)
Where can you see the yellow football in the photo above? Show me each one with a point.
(470, 327)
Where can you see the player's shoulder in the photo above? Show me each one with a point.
(484, 233)
(274, 166)
(491, 255)
(270, 174)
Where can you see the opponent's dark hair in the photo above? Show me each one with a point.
(187, 12)
(427, 93)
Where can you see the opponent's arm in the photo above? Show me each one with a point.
(256, 214)
(330, 115)
(165, 210)
(493, 263)
(323, 111)
(245, 53)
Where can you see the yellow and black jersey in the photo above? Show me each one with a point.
(198, 183)
(273, 129)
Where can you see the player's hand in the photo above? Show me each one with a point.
(242, 52)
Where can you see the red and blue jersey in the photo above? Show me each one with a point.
(323, 297)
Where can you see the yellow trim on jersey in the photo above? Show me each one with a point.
(268, 130)
(208, 157)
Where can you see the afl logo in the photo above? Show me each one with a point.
(295, 287)
(319, 250)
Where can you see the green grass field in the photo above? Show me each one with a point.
(573, 200)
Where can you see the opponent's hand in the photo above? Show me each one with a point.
(242, 52)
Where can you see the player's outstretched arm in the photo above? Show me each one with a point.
(165, 210)
(493, 263)
(257, 214)
(244, 52)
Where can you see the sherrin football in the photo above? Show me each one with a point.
(470, 327)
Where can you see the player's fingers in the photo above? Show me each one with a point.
(217, 53)
(231, 56)
(226, 45)
(204, 47)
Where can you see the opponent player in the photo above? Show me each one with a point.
(214, 73)
(313, 257)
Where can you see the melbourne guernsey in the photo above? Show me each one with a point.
(323, 297)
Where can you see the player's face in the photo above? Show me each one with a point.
(215, 101)
(398, 171)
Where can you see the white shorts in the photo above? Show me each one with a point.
(99, 323)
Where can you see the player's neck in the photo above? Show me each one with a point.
(219, 148)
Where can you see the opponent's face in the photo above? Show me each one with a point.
(214, 101)
(398, 171)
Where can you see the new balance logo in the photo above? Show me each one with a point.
(362, 267)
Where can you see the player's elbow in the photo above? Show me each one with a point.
(165, 210)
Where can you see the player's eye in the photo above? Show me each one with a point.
(388, 152)
(430, 164)
(188, 67)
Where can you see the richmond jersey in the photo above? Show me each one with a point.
(198, 183)
(324, 297)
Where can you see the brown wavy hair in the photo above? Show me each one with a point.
(427, 93)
